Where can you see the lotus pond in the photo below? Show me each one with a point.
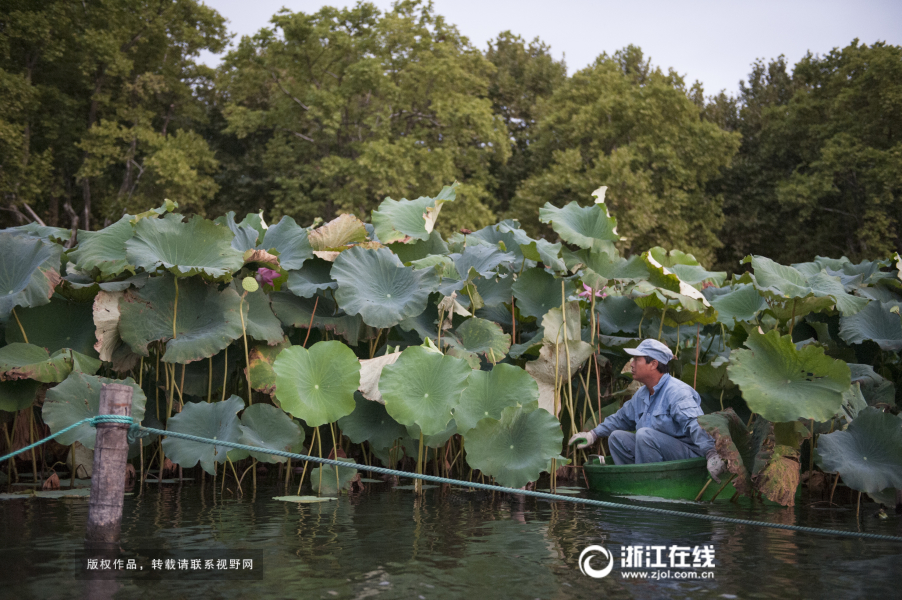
(447, 543)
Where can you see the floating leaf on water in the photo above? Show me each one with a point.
(198, 247)
(423, 388)
(781, 383)
(269, 427)
(378, 287)
(489, 392)
(303, 499)
(517, 448)
(215, 421)
(77, 398)
(868, 454)
(368, 480)
(317, 385)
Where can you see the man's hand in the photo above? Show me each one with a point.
(589, 436)
(716, 466)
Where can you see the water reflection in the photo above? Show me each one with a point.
(447, 544)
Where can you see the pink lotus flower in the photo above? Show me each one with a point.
(266, 276)
(587, 292)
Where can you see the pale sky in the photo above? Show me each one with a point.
(714, 42)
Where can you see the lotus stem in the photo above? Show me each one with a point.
(288, 475)
(513, 322)
(858, 506)
(707, 483)
(492, 355)
(319, 442)
(175, 308)
(235, 473)
(11, 467)
(725, 484)
(661, 326)
(225, 372)
(22, 329)
(222, 487)
(306, 462)
(156, 387)
(310, 324)
(34, 460)
(419, 483)
(698, 329)
(592, 315)
(833, 489)
(641, 319)
(210, 381)
(181, 387)
(792, 321)
(141, 458)
(567, 352)
(247, 361)
(597, 386)
(335, 456)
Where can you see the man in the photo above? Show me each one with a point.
(663, 413)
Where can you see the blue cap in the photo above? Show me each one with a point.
(653, 349)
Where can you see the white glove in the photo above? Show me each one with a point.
(716, 466)
(589, 436)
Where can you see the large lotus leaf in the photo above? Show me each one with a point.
(698, 276)
(530, 346)
(876, 323)
(60, 324)
(489, 392)
(29, 271)
(543, 368)
(681, 309)
(479, 336)
(423, 388)
(291, 241)
(553, 324)
(868, 454)
(370, 422)
(103, 251)
(537, 291)
(371, 373)
(875, 388)
(261, 358)
(431, 441)
(425, 324)
(167, 207)
(669, 258)
(396, 220)
(297, 312)
(317, 385)
(484, 259)
(198, 247)
(105, 317)
(420, 249)
(323, 479)
(378, 287)
(313, 277)
(495, 291)
(443, 265)
(18, 395)
(245, 235)
(512, 237)
(779, 478)
(214, 421)
(516, 448)
(781, 383)
(745, 453)
(259, 320)
(207, 320)
(57, 235)
(587, 227)
(27, 361)
(268, 427)
(616, 314)
(606, 265)
(77, 398)
(337, 233)
(742, 303)
(545, 252)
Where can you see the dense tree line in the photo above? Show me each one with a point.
(106, 110)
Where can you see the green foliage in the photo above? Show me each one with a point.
(868, 455)
(218, 421)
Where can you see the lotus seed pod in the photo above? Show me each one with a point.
(250, 284)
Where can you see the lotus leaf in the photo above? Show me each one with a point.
(259, 320)
(489, 392)
(370, 422)
(303, 499)
(545, 252)
(57, 235)
(167, 207)
(423, 388)
(604, 265)
(874, 388)
(484, 259)
(317, 385)
(537, 291)
(553, 324)
(745, 452)
(429, 441)
(57, 325)
(443, 265)
(616, 314)
(313, 277)
(337, 233)
(742, 303)
(374, 284)
(781, 383)
(876, 323)
(298, 312)
(30, 271)
(261, 358)
(779, 478)
(516, 448)
(868, 454)
(587, 227)
(27, 361)
(371, 373)
(207, 321)
(18, 395)
(245, 236)
(420, 249)
(323, 479)
(77, 398)
(479, 336)
(198, 247)
(495, 291)
(268, 427)
(543, 369)
(291, 241)
(397, 220)
(530, 346)
(215, 421)
(103, 252)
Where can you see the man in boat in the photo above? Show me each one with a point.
(663, 413)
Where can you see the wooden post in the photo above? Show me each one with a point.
(108, 477)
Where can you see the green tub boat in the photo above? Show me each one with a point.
(673, 480)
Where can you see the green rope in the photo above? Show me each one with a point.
(136, 430)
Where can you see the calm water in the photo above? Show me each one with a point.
(449, 544)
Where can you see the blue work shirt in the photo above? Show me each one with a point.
(673, 408)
